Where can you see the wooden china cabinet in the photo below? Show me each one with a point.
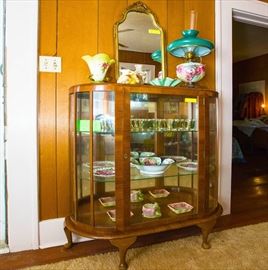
(114, 126)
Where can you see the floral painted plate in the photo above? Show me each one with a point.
(180, 207)
(104, 172)
(188, 166)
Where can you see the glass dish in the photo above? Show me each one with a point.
(159, 193)
(107, 201)
(104, 172)
(112, 214)
(180, 207)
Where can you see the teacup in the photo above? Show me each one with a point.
(151, 210)
(136, 196)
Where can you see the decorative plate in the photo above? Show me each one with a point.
(112, 214)
(107, 201)
(177, 158)
(180, 207)
(147, 154)
(188, 166)
(104, 172)
(159, 193)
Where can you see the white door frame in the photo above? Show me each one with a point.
(21, 133)
(2, 133)
(224, 83)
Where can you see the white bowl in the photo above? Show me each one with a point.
(157, 168)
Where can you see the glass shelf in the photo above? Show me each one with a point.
(135, 175)
(163, 131)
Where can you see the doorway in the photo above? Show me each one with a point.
(250, 116)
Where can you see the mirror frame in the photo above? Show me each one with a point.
(140, 8)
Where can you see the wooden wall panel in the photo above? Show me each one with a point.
(110, 11)
(47, 115)
(206, 26)
(175, 25)
(77, 35)
(70, 29)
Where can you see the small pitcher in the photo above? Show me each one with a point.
(98, 65)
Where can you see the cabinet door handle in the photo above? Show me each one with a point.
(125, 156)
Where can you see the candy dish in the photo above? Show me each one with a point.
(107, 201)
(159, 193)
(112, 214)
(180, 207)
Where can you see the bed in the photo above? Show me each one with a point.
(252, 133)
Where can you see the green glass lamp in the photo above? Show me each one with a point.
(190, 45)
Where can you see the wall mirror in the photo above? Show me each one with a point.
(138, 35)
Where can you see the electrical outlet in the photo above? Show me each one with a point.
(49, 64)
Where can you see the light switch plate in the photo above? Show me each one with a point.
(49, 64)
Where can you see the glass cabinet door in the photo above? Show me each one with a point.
(163, 158)
(213, 154)
(95, 148)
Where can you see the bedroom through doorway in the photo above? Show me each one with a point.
(250, 116)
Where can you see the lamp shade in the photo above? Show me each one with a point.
(157, 56)
(190, 43)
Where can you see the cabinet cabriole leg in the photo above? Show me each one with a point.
(123, 245)
(206, 229)
(68, 234)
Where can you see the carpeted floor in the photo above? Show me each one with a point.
(243, 248)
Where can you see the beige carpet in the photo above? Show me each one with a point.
(244, 248)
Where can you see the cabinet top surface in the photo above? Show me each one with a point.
(194, 91)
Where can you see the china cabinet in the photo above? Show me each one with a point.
(143, 160)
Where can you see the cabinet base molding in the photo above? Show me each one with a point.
(124, 239)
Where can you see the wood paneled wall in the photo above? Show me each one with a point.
(70, 29)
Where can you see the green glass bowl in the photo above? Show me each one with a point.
(169, 82)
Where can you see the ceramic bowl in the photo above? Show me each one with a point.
(169, 82)
(190, 72)
(154, 165)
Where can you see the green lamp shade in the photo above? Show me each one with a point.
(157, 56)
(190, 43)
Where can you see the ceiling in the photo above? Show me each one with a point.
(249, 41)
(134, 34)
